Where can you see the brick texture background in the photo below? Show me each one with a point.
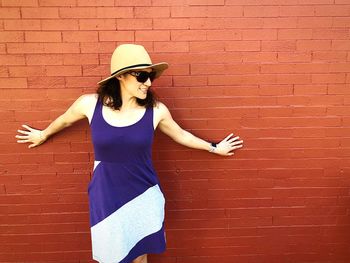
(275, 72)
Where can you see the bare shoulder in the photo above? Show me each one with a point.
(86, 101)
(161, 108)
(85, 104)
(88, 98)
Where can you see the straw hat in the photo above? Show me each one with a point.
(130, 56)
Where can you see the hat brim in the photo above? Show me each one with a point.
(158, 68)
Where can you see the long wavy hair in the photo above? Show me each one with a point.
(110, 95)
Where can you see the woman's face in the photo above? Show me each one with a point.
(132, 86)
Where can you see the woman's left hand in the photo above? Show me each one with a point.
(228, 145)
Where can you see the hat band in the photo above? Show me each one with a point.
(132, 66)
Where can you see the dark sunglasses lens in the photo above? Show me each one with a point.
(144, 75)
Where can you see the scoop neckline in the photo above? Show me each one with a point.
(103, 118)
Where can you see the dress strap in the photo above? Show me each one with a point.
(97, 111)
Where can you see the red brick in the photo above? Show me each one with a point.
(129, 24)
(39, 12)
(4, 72)
(259, 56)
(310, 89)
(260, 2)
(115, 12)
(133, 3)
(2, 49)
(63, 70)
(12, 60)
(46, 82)
(210, 11)
(205, 69)
(261, 11)
(336, 56)
(82, 82)
(259, 34)
(47, 59)
(55, 3)
(332, 10)
(27, 24)
(95, 70)
(329, 78)
(313, 44)
(60, 24)
(295, 68)
(80, 59)
(295, 34)
(169, 2)
(279, 45)
(338, 88)
(171, 46)
(10, 83)
(201, 46)
(242, 46)
(9, 37)
(339, 67)
(8, 12)
(341, 21)
(188, 35)
(43, 48)
(154, 12)
(294, 56)
(293, 79)
(169, 23)
(224, 35)
(20, 3)
(100, 47)
(189, 81)
(275, 90)
(279, 22)
(220, 23)
(154, 35)
(301, 10)
(95, 3)
(206, 2)
(77, 12)
(116, 36)
(80, 36)
(43, 36)
(330, 34)
(26, 71)
(97, 24)
(314, 22)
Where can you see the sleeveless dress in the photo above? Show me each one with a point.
(125, 197)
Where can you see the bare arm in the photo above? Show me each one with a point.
(168, 126)
(77, 111)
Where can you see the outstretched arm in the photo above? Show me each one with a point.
(75, 112)
(168, 126)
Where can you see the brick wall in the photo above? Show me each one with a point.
(275, 72)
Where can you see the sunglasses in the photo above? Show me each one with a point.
(143, 76)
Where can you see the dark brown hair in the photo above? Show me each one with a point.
(109, 93)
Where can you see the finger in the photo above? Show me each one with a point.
(23, 141)
(23, 132)
(236, 147)
(32, 145)
(233, 139)
(228, 137)
(236, 142)
(27, 127)
(22, 136)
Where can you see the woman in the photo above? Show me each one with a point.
(125, 198)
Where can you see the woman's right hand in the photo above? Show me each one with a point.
(31, 135)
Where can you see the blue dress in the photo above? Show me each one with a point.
(125, 197)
